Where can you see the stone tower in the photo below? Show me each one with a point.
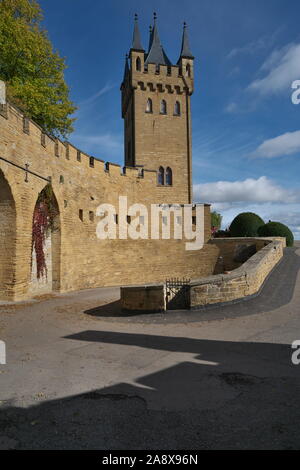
(157, 113)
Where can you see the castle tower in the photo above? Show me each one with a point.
(157, 115)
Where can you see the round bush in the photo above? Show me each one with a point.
(245, 224)
(276, 229)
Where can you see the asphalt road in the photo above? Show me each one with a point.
(80, 375)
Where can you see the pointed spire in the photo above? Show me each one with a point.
(136, 40)
(156, 54)
(126, 68)
(185, 46)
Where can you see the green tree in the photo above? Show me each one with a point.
(216, 220)
(276, 229)
(32, 70)
(245, 224)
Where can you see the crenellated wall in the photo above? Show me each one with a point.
(80, 183)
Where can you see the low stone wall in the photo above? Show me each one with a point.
(233, 252)
(241, 282)
(149, 298)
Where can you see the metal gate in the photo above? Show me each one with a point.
(177, 293)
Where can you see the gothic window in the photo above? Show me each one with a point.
(177, 108)
(168, 176)
(138, 64)
(149, 106)
(188, 70)
(161, 176)
(163, 107)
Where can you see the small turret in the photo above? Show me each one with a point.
(185, 46)
(136, 40)
(186, 60)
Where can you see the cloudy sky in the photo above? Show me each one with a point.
(246, 129)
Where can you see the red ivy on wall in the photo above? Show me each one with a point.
(44, 214)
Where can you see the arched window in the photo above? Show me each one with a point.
(138, 64)
(188, 70)
(161, 176)
(169, 176)
(163, 107)
(177, 108)
(149, 106)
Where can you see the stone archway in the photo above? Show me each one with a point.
(45, 259)
(7, 240)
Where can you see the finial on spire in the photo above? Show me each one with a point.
(136, 40)
(154, 16)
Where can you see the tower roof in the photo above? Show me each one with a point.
(185, 46)
(136, 40)
(156, 54)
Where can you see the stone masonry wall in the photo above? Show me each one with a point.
(81, 184)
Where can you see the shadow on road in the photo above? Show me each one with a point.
(224, 395)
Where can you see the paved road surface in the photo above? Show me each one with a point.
(81, 376)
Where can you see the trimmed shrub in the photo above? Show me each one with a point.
(276, 229)
(245, 224)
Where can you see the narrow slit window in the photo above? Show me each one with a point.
(161, 176)
(149, 106)
(138, 64)
(163, 107)
(177, 108)
(169, 177)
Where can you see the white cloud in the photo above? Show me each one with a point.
(261, 196)
(231, 107)
(285, 144)
(254, 47)
(282, 67)
(259, 190)
(95, 96)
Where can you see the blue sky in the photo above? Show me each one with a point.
(246, 130)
